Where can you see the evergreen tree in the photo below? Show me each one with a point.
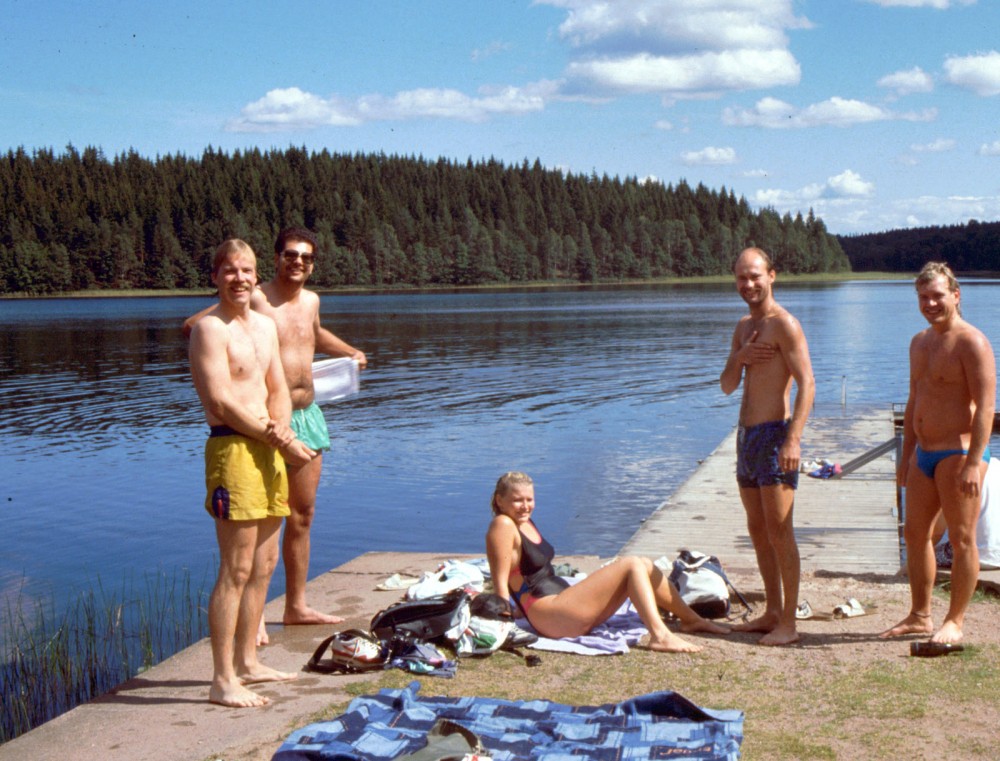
(129, 221)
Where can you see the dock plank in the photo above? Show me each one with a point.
(845, 525)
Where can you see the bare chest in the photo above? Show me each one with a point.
(939, 361)
(248, 354)
(295, 327)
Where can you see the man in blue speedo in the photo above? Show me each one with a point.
(946, 434)
(768, 352)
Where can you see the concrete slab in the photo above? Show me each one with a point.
(164, 714)
(843, 525)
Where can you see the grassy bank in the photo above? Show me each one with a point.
(827, 277)
(842, 693)
(52, 663)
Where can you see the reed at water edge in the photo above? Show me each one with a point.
(51, 663)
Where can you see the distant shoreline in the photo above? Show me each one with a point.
(826, 277)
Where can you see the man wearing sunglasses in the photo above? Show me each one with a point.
(295, 311)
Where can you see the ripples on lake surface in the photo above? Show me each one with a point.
(607, 397)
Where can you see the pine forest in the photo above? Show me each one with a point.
(81, 221)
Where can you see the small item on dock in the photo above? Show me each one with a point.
(850, 609)
(827, 469)
(805, 612)
(934, 649)
(397, 581)
(351, 652)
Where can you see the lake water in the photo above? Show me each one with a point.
(608, 397)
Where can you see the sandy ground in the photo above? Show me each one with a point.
(841, 692)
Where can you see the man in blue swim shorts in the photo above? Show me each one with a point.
(767, 354)
(295, 311)
(757, 449)
(946, 434)
(237, 372)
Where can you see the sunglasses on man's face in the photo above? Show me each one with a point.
(290, 255)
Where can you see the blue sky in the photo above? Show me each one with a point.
(877, 114)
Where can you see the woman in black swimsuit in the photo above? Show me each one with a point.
(521, 566)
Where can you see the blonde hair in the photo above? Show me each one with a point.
(231, 246)
(932, 270)
(504, 484)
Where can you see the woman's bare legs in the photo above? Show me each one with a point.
(578, 609)
(669, 599)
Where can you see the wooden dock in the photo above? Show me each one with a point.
(846, 525)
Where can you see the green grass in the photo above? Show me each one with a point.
(51, 663)
(824, 277)
(797, 706)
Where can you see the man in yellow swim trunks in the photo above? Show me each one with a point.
(237, 372)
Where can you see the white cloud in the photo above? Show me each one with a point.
(676, 49)
(292, 109)
(908, 82)
(846, 185)
(990, 149)
(679, 48)
(494, 48)
(663, 124)
(755, 173)
(838, 112)
(786, 200)
(676, 24)
(859, 215)
(979, 73)
(450, 104)
(938, 146)
(709, 157)
(938, 4)
(938, 210)
(693, 74)
(849, 184)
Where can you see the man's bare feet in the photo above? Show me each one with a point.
(262, 636)
(705, 625)
(671, 643)
(235, 696)
(915, 623)
(765, 623)
(261, 673)
(950, 633)
(780, 635)
(308, 616)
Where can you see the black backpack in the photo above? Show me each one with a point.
(444, 616)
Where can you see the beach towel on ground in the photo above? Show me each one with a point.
(614, 637)
(396, 722)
